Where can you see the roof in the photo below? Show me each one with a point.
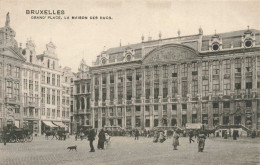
(122, 48)
(230, 34)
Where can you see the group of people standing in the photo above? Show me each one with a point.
(102, 138)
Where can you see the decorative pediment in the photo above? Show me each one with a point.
(9, 52)
(128, 54)
(170, 52)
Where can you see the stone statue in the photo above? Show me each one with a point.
(7, 22)
(200, 31)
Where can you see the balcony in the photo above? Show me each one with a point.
(128, 101)
(120, 101)
(174, 99)
(138, 101)
(156, 100)
(147, 100)
(11, 100)
(205, 77)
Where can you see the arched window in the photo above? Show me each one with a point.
(82, 103)
(48, 64)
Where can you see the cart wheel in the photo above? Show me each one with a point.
(12, 139)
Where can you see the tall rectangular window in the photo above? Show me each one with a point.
(165, 90)
(205, 68)
(120, 76)
(226, 86)
(205, 87)
(248, 64)
(156, 90)
(174, 88)
(258, 63)
(58, 97)
(194, 89)
(156, 72)
(165, 71)
(194, 68)
(147, 92)
(184, 70)
(53, 113)
(215, 86)
(30, 85)
(147, 74)
(184, 87)
(43, 77)
(9, 89)
(36, 86)
(237, 65)
(215, 67)
(138, 91)
(120, 93)
(226, 66)
(112, 78)
(9, 70)
(104, 78)
(48, 112)
(112, 93)
(43, 96)
(58, 80)
(48, 95)
(16, 91)
(53, 79)
(48, 78)
(53, 97)
(25, 84)
(129, 74)
(17, 72)
(174, 70)
(138, 74)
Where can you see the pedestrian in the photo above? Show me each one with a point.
(136, 134)
(234, 135)
(201, 142)
(190, 136)
(4, 135)
(162, 137)
(91, 138)
(225, 135)
(175, 141)
(101, 139)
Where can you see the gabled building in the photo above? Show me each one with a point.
(51, 88)
(11, 64)
(31, 87)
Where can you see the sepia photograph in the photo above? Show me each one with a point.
(129, 82)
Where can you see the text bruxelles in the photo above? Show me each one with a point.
(46, 12)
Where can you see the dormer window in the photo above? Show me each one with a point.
(103, 61)
(248, 43)
(128, 58)
(215, 46)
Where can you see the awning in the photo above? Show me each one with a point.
(49, 123)
(60, 124)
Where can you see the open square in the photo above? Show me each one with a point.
(126, 150)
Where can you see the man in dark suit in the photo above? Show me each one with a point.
(91, 138)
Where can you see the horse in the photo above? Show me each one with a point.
(50, 133)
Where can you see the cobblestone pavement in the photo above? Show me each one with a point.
(126, 150)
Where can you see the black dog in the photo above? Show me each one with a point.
(72, 148)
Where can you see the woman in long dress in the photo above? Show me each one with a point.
(175, 141)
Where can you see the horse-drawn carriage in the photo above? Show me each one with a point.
(13, 135)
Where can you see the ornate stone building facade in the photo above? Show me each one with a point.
(210, 79)
(82, 112)
(11, 64)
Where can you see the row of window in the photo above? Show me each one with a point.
(226, 66)
(52, 113)
(46, 79)
(36, 85)
(47, 96)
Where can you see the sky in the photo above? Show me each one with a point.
(77, 39)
